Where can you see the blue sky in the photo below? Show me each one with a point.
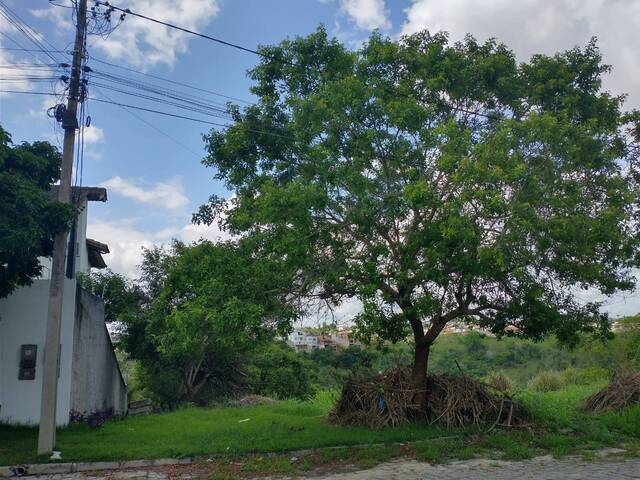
(155, 184)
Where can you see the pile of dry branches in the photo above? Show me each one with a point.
(458, 400)
(389, 400)
(377, 401)
(622, 391)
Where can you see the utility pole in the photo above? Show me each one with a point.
(47, 432)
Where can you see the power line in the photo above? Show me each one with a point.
(159, 112)
(162, 96)
(31, 50)
(158, 90)
(137, 107)
(9, 78)
(21, 47)
(438, 102)
(186, 30)
(24, 27)
(151, 125)
(25, 65)
(203, 111)
(132, 70)
(157, 77)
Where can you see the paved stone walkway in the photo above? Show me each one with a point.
(541, 468)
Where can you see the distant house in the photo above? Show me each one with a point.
(344, 339)
(89, 379)
(304, 341)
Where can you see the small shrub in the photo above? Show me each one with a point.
(499, 380)
(547, 381)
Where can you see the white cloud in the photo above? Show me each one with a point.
(367, 14)
(167, 194)
(544, 26)
(60, 16)
(622, 305)
(192, 233)
(143, 43)
(126, 240)
(93, 135)
(125, 243)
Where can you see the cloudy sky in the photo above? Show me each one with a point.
(151, 164)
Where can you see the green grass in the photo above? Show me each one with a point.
(559, 427)
(287, 425)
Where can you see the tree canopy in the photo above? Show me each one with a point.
(122, 297)
(436, 181)
(207, 305)
(29, 216)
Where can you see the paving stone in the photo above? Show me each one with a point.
(544, 468)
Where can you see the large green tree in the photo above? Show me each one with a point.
(209, 306)
(436, 182)
(29, 216)
(122, 297)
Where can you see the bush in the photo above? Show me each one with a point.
(278, 371)
(584, 376)
(547, 381)
(499, 380)
(162, 383)
(551, 380)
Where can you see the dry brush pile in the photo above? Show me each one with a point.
(623, 391)
(453, 400)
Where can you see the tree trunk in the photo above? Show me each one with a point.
(419, 374)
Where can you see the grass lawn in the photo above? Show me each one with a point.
(561, 428)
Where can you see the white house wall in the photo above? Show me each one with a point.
(97, 384)
(23, 321)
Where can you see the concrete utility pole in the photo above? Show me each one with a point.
(47, 432)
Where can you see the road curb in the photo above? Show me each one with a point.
(73, 467)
